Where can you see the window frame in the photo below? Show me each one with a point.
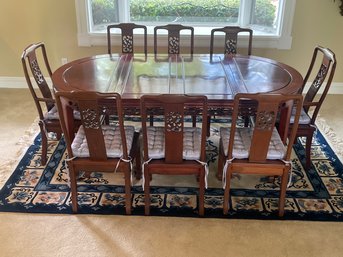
(281, 41)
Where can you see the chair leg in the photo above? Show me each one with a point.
(44, 143)
(202, 192)
(283, 189)
(308, 150)
(220, 164)
(194, 120)
(128, 189)
(138, 161)
(147, 191)
(151, 118)
(208, 126)
(73, 186)
(227, 190)
(246, 121)
(58, 135)
(107, 120)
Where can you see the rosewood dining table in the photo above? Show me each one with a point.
(219, 77)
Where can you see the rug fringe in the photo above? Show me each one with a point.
(335, 141)
(24, 141)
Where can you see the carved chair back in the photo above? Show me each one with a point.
(324, 60)
(174, 108)
(174, 39)
(269, 108)
(231, 38)
(31, 59)
(127, 37)
(93, 107)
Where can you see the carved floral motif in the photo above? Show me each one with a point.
(174, 45)
(127, 44)
(90, 119)
(174, 121)
(231, 46)
(264, 120)
(37, 73)
(320, 76)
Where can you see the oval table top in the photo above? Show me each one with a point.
(218, 77)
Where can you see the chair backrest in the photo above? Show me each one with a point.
(268, 109)
(174, 108)
(31, 58)
(127, 36)
(324, 60)
(174, 37)
(93, 106)
(231, 38)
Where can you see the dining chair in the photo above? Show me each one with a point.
(174, 38)
(175, 148)
(31, 59)
(231, 38)
(230, 47)
(127, 36)
(259, 149)
(322, 69)
(98, 147)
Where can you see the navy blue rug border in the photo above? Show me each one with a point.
(176, 212)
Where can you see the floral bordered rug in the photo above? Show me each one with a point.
(313, 195)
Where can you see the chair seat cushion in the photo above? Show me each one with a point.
(191, 143)
(52, 114)
(112, 138)
(303, 119)
(243, 137)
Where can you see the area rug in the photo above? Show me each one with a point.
(316, 194)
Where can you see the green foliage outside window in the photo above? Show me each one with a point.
(264, 13)
(104, 11)
(182, 11)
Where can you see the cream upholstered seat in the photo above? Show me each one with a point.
(303, 119)
(243, 137)
(191, 143)
(52, 114)
(113, 144)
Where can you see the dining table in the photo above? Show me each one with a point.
(219, 77)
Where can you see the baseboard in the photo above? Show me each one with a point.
(20, 82)
(335, 89)
(15, 82)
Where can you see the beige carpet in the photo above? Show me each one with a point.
(90, 235)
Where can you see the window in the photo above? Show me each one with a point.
(271, 20)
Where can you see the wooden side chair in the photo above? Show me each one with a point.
(35, 64)
(231, 38)
(230, 47)
(174, 149)
(96, 146)
(174, 43)
(127, 37)
(174, 38)
(324, 60)
(259, 149)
